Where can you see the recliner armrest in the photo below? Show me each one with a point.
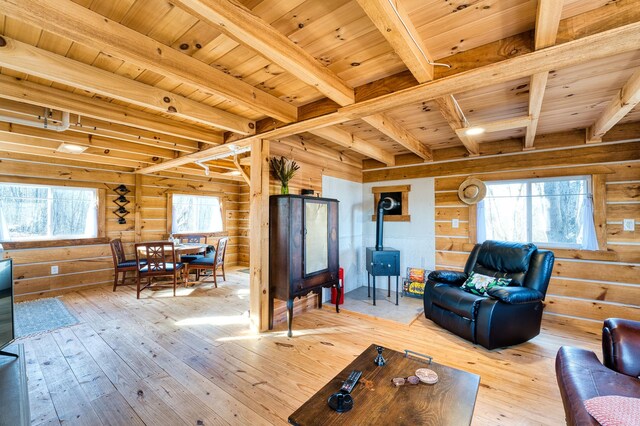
(621, 346)
(515, 295)
(448, 277)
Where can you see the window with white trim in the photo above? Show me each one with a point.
(555, 212)
(43, 212)
(195, 214)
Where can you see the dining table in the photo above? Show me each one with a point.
(186, 248)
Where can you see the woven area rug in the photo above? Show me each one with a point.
(41, 315)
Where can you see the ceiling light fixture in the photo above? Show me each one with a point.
(70, 148)
(474, 131)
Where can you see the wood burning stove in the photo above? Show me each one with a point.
(382, 261)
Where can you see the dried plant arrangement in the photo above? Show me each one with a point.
(283, 169)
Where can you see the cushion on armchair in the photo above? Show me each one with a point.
(515, 295)
(480, 284)
(448, 277)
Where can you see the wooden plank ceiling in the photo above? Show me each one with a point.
(154, 85)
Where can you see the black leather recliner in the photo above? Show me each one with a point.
(512, 314)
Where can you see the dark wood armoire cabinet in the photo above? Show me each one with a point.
(303, 249)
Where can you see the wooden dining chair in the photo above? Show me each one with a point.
(120, 263)
(212, 263)
(160, 262)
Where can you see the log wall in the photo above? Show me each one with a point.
(91, 265)
(587, 285)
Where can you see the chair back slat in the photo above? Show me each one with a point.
(117, 251)
(220, 251)
(193, 239)
(158, 254)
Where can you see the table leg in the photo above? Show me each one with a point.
(339, 296)
(389, 286)
(374, 290)
(368, 284)
(397, 277)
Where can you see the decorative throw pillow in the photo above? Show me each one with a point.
(614, 410)
(479, 284)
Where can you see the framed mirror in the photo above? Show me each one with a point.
(316, 237)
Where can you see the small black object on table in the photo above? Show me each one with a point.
(379, 361)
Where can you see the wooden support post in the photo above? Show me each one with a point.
(259, 235)
(137, 213)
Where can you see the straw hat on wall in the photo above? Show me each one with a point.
(472, 191)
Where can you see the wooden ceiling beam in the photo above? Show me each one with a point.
(12, 142)
(625, 100)
(449, 110)
(36, 94)
(395, 25)
(547, 22)
(87, 140)
(601, 45)
(394, 130)
(88, 125)
(203, 155)
(347, 140)
(239, 23)
(500, 125)
(80, 24)
(41, 63)
(299, 143)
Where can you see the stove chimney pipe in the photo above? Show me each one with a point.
(386, 203)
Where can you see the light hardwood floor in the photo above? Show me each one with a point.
(190, 359)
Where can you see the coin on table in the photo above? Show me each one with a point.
(427, 376)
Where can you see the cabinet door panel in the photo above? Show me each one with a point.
(316, 238)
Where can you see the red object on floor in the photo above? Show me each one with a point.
(334, 292)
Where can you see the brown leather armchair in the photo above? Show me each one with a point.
(581, 376)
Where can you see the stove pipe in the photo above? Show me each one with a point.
(386, 203)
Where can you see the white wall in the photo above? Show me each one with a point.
(350, 227)
(415, 239)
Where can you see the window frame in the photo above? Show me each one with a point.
(100, 238)
(597, 186)
(223, 211)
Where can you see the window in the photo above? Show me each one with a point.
(39, 212)
(195, 214)
(547, 212)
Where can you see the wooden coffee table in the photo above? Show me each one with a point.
(377, 401)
